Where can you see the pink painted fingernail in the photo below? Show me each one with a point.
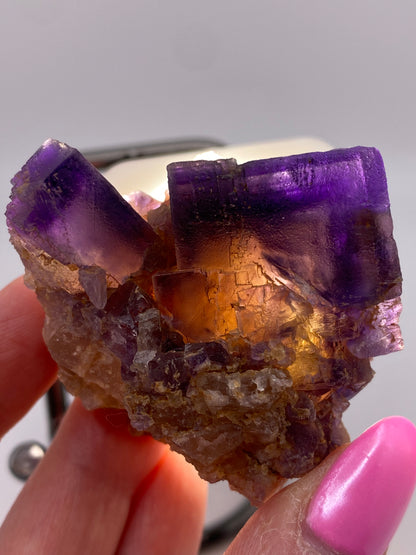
(362, 499)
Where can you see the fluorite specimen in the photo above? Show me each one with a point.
(235, 320)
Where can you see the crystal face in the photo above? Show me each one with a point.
(233, 321)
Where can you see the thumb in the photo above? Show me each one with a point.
(351, 504)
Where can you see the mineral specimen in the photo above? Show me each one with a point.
(233, 321)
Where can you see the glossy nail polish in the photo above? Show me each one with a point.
(361, 500)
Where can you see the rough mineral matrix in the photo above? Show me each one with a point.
(233, 321)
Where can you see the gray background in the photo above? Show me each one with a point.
(101, 73)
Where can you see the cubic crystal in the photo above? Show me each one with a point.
(235, 320)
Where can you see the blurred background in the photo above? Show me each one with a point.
(96, 73)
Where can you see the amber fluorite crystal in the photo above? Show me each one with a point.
(235, 320)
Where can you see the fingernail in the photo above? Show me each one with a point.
(362, 499)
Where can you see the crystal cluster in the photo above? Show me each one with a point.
(233, 321)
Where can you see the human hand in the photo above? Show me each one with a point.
(98, 489)
(101, 490)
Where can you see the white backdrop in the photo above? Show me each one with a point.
(100, 73)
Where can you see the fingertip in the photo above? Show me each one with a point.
(362, 499)
(278, 525)
(27, 369)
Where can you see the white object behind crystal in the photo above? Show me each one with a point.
(149, 174)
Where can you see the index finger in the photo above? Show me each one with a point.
(26, 367)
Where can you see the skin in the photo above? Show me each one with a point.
(100, 490)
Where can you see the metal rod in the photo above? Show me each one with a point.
(104, 157)
(57, 405)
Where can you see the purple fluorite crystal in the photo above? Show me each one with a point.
(234, 321)
(321, 220)
(63, 206)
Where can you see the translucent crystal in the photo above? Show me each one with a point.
(235, 320)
